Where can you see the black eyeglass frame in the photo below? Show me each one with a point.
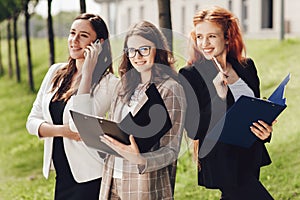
(126, 51)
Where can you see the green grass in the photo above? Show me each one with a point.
(21, 154)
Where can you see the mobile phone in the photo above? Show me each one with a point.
(95, 42)
(103, 62)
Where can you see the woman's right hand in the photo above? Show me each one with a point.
(130, 152)
(51, 130)
(91, 53)
(220, 83)
(91, 56)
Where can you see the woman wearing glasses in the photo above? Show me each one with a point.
(149, 175)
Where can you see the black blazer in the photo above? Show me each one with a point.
(225, 165)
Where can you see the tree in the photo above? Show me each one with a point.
(11, 9)
(165, 21)
(10, 68)
(29, 63)
(3, 15)
(50, 34)
(16, 10)
(18, 71)
(6, 13)
(1, 65)
(82, 6)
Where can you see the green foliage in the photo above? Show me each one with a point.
(21, 154)
(10, 8)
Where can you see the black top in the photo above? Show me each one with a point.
(62, 169)
(224, 165)
(66, 187)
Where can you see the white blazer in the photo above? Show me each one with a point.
(84, 162)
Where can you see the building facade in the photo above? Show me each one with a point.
(261, 19)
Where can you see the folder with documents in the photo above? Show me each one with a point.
(147, 126)
(234, 127)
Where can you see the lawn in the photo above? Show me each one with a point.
(21, 154)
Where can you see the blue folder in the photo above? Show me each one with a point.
(234, 127)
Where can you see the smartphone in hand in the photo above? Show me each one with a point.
(103, 62)
(95, 43)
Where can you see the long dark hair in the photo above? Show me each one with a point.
(163, 61)
(65, 74)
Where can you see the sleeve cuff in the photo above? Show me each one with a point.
(142, 168)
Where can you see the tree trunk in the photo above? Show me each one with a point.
(50, 34)
(1, 64)
(27, 33)
(82, 6)
(165, 21)
(10, 68)
(18, 73)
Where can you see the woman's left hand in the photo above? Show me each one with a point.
(130, 152)
(261, 129)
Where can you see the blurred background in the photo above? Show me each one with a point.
(33, 36)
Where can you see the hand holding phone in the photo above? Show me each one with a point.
(91, 54)
(92, 47)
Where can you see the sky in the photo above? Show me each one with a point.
(66, 5)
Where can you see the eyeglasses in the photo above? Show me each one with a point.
(143, 51)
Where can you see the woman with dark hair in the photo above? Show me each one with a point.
(217, 75)
(78, 168)
(148, 175)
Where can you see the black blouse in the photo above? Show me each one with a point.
(224, 165)
(66, 187)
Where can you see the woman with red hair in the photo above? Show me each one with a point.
(218, 73)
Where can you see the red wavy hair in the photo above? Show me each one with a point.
(232, 32)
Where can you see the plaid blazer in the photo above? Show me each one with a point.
(156, 179)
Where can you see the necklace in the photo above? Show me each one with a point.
(137, 94)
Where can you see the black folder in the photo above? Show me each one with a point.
(90, 131)
(234, 127)
(149, 124)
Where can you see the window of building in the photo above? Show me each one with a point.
(230, 5)
(183, 19)
(128, 17)
(142, 12)
(196, 7)
(267, 14)
(244, 20)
